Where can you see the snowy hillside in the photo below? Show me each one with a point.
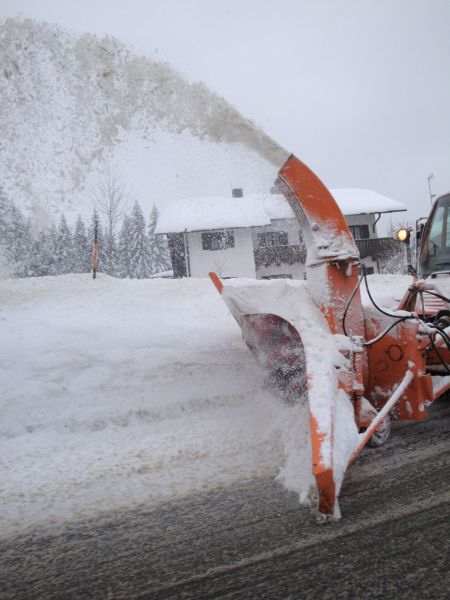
(116, 393)
(72, 106)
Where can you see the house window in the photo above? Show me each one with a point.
(272, 238)
(370, 270)
(359, 232)
(218, 240)
(282, 276)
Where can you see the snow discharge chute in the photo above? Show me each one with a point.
(353, 366)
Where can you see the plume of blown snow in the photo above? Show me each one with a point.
(67, 101)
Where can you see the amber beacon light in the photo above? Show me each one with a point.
(403, 235)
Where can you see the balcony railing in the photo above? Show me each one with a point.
(277, 255)
(378, 247)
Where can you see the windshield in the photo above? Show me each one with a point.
(435, 252)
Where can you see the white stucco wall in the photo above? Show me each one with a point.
(363, 220)
(296, 271)
(370, 263)
(292, 228)
(232, 262)
(239, 261)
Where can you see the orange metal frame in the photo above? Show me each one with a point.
(389, 376)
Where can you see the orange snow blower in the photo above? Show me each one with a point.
(357, 366)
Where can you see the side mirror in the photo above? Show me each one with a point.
(419, 229)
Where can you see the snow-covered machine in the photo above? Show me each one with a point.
(356, 366)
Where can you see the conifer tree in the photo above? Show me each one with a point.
(18, 241)
(5, 257)
(38, 266)
(64, 247)
(51, 249)
(101, 241)
(139, 259)
(157, 245)
(124, 259)
(82, 250)
(4, 209)
(110, 252)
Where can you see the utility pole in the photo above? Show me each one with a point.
(430, 177)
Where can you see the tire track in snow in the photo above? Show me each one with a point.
(252, 540)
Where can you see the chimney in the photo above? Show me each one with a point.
(237, 193)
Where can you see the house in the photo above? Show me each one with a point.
(258, 235)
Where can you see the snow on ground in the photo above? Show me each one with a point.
(119, 393)
(387, 290)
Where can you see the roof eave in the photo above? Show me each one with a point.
(375, 212)
(372, 212)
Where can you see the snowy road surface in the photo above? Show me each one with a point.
(252, 540)
(138, 452)
(120, 393)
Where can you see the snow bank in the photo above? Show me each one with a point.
(117, 393)
(120, 393)
(387, 290)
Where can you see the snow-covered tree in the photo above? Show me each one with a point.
(110, 252)
(95, 221)
(158, 248)
(139, 258)
(51, 248)
(111, 200)
(124, 262)
(40, 256)
(64, 248)
(17, 241)
(5, 209)
(82, 249)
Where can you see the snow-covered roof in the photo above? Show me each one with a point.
(356, 201)
(255, 210)
(199, 214)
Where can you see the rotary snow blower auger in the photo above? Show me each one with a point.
(357, 366)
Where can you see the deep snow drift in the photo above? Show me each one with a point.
(116, 393)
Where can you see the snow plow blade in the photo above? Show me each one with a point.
(294, 328)
(301, 364)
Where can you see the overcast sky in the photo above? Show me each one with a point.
(358, 89)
